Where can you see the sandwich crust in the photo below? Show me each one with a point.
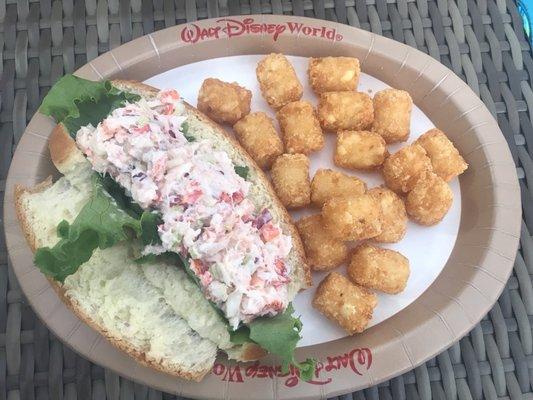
(65, 155)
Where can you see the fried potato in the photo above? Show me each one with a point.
(278, 81)
(345, 111)
(430, 200)
(380, 269)
(224, 102)
(353, 217)
(257, 135)
(393, 215)
(290, 176)
(351, 306)
(446, 160)
(359, 150)
(322, 251)
(300, 128)
(332, 74)
(327, 184)
(392, 114)
(402, 169)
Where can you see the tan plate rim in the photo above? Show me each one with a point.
(464, 292)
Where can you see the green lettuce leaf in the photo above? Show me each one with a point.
(242, 171)
(101, 223)
(76, 102)
(278, 335)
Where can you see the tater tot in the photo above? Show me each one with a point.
(259, 138)
(351, 306)
(300, 128)
(393, 215)
(327, 184)
(333, 74)
(278, 81)
(402, 169)
(359, 150)
(446, 160)
(322, 251)
(345, 111)
(224, 102)
(290, 176)
(352, 218)
(380, 269)
(430, 200)
(392, 115)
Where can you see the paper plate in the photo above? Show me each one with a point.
(459, 267)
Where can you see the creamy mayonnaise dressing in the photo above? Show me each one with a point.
(237, 252)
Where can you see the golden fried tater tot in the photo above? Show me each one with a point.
(327, 184)
(300, 128)
(345, 111)
(278, 81)
(322, 251)
(402, 169)
(351, 306)
(381, 269)
(392, 115)
(393, 215)
(430, 200)
(352, 218)
(259, 138)
(333, 74)
(224, 102)
(290, 176)
(446, 160)
(359, 150)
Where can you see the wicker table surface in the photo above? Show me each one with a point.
(482, 41)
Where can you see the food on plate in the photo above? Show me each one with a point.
(380, 269)
(392, 115)
(430, 200)
(256, 133)
(345, 111)
(162, 233)
(328, 183)
(300, 128)
(224, 102)
(393, 215)
(352, 217)
(290, 176)
(360, 150)
(333, 74)
(278, 81)
(349, 305)
(402, 169)
(446, 160)
(322, 251)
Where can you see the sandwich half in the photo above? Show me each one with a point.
(162, 233)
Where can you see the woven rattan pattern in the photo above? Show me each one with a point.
(482, 41)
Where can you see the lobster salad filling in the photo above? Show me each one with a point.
(236, 251)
